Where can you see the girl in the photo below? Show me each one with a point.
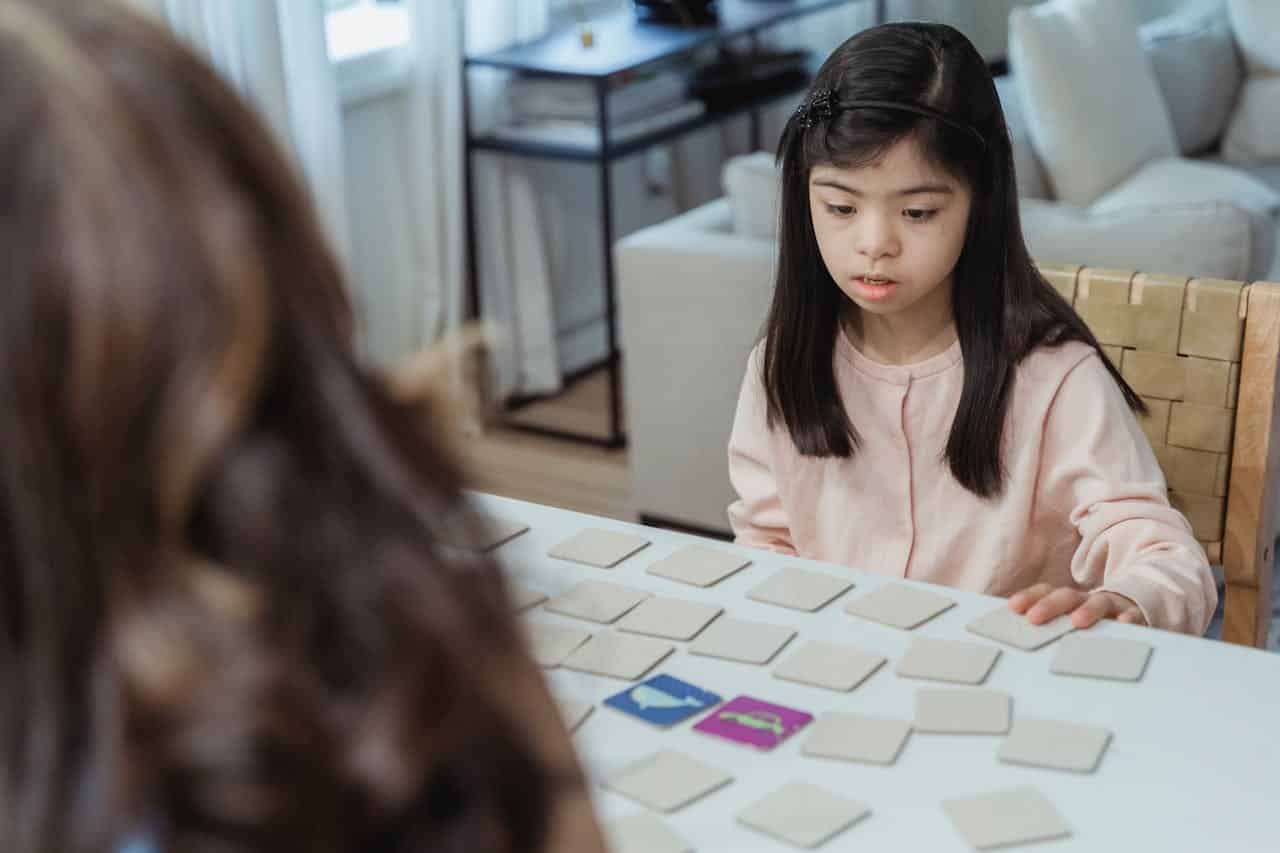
(924, 404)
(228, 622)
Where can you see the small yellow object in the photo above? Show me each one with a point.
(587, 36)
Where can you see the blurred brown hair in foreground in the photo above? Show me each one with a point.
(229, 618)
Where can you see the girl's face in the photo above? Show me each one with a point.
(890, 233)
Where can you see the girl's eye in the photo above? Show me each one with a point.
(918, 215)
(839, 209)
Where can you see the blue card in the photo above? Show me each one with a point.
(663, 700)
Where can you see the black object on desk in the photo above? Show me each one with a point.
(737, 76)
(621, 46)
(682, 13)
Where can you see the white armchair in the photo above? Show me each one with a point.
(692, 300)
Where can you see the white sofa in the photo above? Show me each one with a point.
(694, 290)
(1178, 119)
(692, 295)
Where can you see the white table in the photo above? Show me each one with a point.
(1193, 764)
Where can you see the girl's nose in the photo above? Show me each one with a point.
(876, 238)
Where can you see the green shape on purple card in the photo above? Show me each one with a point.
(754, 722)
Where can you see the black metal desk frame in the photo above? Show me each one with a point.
(622, 45)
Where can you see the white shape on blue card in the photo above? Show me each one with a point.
(663, 700)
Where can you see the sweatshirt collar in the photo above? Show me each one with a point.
(897, 374)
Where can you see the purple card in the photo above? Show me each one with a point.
(753, 722)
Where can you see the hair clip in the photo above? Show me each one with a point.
(818, 107)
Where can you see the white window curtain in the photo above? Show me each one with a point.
(515, 286)
(274, 52)
(435, 119)
(512, 233)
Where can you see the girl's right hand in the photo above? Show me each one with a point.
(1044, 602)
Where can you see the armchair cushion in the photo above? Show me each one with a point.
(1174, 181)
(1198, 68)
(1028, 172)
(1252, 137)
(1093, 106)
(1256, 23)
(1204, 240)
(1177, 180)
(751, 184)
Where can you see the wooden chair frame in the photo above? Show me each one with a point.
(1207, 351)
(1248, 545)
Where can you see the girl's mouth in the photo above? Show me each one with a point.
(875, 288)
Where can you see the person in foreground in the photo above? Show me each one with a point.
(923, 403)
(227, 619)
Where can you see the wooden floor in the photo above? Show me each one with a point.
(567, 474)
(582, 407)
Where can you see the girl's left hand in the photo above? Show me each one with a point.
(1044, 602)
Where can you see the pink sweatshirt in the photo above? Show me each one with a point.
(1084, 502)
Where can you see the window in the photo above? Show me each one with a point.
(355, 28)
(367, 41)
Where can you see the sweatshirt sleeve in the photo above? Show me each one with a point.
(1098, 467)
(757, 517)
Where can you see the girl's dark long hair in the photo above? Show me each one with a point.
(1003, 307)
(228, 621)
